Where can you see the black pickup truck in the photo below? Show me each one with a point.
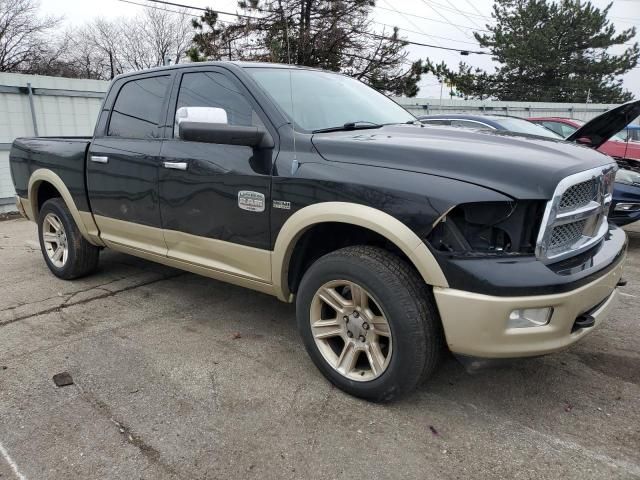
(395, 240)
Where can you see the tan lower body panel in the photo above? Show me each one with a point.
(24, 207)
(133, 235)
(197, 269)
(92, 232)
(237, 264)
(249, 262)
(476, 324)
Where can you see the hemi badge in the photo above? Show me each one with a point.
(282, 204)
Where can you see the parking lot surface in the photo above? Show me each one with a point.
(179, 376)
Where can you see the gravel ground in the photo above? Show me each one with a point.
(178, 376)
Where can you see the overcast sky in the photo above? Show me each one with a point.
(435, 28)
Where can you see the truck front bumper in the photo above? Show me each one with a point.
(476, 325)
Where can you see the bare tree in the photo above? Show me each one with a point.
(24, 35)
(168, 34)
(154, 38)
(100, 49)
(103, 49)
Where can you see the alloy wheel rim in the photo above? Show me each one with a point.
(55, 240)
(350, 330)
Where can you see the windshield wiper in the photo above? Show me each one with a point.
(357, 125)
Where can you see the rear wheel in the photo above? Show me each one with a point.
(369, 322)
(67, 254)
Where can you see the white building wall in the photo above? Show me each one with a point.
(63, 107)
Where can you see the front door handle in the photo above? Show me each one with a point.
(175, 165)
(99, 159)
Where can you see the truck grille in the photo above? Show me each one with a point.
(576, 217)
(565, 235)
(579, 195)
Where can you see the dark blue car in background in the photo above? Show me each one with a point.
(625, 206)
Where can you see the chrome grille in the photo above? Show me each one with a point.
(579, 195)
(576, 217)
(566, 235)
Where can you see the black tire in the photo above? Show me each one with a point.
(408, 305)
(82, 257)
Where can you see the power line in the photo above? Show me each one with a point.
(445, 18)
(410, 21)
(434, 20)
(404, 60)
(464, 14)
(232, 14)
(177, 12)
(374, 35)
(475, 8)
(202, 9)
(425, 34)
(411, 42)
(453, 9)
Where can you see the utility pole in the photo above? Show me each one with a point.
(441, 86)
(586, 104)
(113, 74)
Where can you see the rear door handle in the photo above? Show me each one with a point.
(175, 165)
(99, 159)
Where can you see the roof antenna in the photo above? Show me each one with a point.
(294, 163)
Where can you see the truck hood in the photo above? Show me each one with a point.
(522, 167)
(597, 131)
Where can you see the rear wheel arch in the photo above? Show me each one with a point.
(377, 224)
(42, 191)
(45, 184)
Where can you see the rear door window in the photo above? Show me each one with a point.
(138, 108)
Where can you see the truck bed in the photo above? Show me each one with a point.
(65, 156)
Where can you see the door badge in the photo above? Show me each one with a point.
(251, 201)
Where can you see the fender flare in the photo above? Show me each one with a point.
(84, 220)
(355, 214)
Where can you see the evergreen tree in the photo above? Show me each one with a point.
(552, 51)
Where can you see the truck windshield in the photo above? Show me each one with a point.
(323, 100)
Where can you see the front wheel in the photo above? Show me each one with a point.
(369, 322)
(67, 254)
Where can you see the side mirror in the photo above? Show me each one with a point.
(584, 141)
(201, 115)
(209, 125)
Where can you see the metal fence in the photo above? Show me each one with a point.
(50, 106)
(578, 111)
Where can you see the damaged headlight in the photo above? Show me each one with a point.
(488, 228)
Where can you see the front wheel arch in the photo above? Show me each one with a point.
(376, 221)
